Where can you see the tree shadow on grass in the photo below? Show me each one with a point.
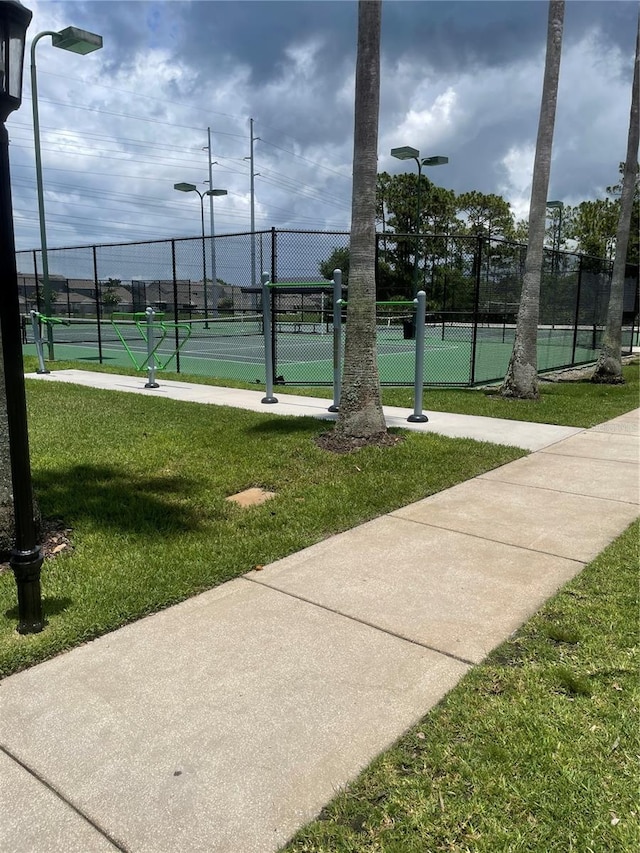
(117, 498)
(285, 425)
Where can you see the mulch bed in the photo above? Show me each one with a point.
(55, 539)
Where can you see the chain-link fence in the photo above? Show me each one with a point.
(207, 295)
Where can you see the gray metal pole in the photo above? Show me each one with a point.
(337, 340)
(204, 262)
(253, 213)
(214, 275)
(268, 341)
(151, 359)
(46, 283)
(37, 339)
(418, 417)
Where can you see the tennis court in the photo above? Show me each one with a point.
(233, 348)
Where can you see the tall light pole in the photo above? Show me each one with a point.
(408, 153)
(75, 41)
(192, 188)
(555, 258)
(559, 206)
(26, 556)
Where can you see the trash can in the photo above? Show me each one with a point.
(409, 329)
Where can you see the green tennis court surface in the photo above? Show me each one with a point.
(304, 352)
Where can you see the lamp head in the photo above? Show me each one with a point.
(559, 204)
(405, 153)
(185, 188)
(215, 192)
(77, 40)
(14, 20)
(435, 161)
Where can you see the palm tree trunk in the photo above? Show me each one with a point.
(609, 366)
(361, 414)
(521, 379)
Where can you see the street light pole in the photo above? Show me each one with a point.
(214, 273)
(406, 152)
(26, 557)
(559, 206)
(557, 238)
(75, 41)
(192, 188)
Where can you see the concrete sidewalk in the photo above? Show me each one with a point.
(225, 723)
(495, 430)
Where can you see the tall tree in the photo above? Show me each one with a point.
(521, 379)
(487, 214)
(592, 224)
(609, 366)
(361, 414)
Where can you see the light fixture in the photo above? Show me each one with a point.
(74, 40)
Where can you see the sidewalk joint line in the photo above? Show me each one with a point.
(487, 538)
(588, 458)
(550, 489)
(117, 844)
(359, 621)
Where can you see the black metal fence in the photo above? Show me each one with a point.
(473, 287)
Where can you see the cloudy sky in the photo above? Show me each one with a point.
(463, 79)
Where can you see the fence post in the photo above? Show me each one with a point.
(337, 340)
(175, 304)
(96, 293)
(268, 340)
(418, 416)
(35, 278)
(274, 254)
(476, 300)
(577, 313)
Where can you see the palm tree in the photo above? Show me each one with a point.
(361, 414)
(521, 379)
(609, 366)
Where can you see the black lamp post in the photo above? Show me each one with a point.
(26, 556)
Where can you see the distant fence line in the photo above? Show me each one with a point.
(473, 281)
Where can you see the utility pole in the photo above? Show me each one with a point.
(214, 276)
(253, 211)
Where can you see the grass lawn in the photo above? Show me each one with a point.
(143, 484)
(535, 750)
(579, 404)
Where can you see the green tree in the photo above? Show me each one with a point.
(634, 228)
(109, 294)
(337, 260)
(360, 414)
(592, 224)
(486, 215)
(609, 366)
(397, 212)
(521, 379)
